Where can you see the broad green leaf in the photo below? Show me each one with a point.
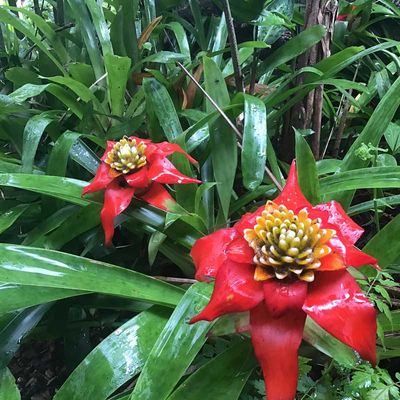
(180, 36)
(244, 54)
(14, 297)
(8, 217)
(17, 327)
(364, 178)
(306, 169)
(254, 146)
(222, 139)
(392, 136)
(8, 387)
(221, 378)
(382, 202)
(48, 268)
(175, 348)
(116, 359)
(217, 38)
(293, 48)
(117, 68)
(33, 131)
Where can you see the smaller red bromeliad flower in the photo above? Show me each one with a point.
(135, 166)
(282, 263)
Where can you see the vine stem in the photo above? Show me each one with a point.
(228, 121)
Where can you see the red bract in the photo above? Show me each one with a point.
(281, 263)
(135, 166)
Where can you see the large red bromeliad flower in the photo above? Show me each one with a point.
(283, 262)
(135, 166)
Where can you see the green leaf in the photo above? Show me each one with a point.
(222, 139)
(364, 178)
(33, 131)
(8, 218)
(293, 48)
(221, 378)
(8, 387)
(17, 327)
(181, 37)
(118, 69)
(176, 347)
(47, 268)
(14, 297)
(8, 17)
(306, 169)
(372, 133)
(254, 147)
(116, 359)
(392, 136)
(383, 246)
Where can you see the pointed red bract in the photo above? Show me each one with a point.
(276, 341)
(138, 179)
(158, 197)
(101, 180)
(240, 251)
(235, 291)
(116, 200)
(163, 171)
(336, 303)
(248, 220)
(209, 252)
(291, 196)
(165, 149)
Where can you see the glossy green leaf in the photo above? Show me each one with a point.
(8, 217)
(181, 37)
(33, 132)
(17, 327)
(254, 146)
(175, 348)
(14, 297)
(369, 205)
(117, 68)
(221, 378)
(116, 359)
(293, 48)
(306, 169)
(8, 387)
(222, 139)
(329, 345)
(364, 178)
(48, 268)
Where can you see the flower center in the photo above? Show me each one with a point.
(126, 155)
(287, 244)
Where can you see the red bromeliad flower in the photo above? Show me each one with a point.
(283, 262)
(135, 166)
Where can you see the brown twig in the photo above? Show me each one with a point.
(234, 47)
(228, 121)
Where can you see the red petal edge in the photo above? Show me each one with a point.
(276, 341)
(116, 200)
(235, 290)
(336, 303)
(209, 253)
(158, 197)
(163, 171)
(101, 180)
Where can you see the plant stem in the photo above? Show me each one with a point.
(234, 47)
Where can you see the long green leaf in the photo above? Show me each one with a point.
(8, 218)
(254, 150)
(221, 378)
(47, 268)
(8, 387)
(116, 359)
(175, 348)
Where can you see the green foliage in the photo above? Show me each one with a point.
(107, 69)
